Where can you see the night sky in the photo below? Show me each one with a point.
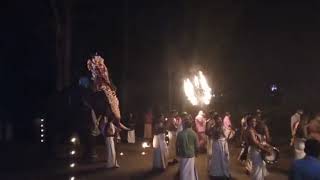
(243, 46)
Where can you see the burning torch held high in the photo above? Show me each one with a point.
(198, 91)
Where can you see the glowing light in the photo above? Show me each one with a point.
(121, 154)
(42, 130)
(274, 88)
(145, 145)
(73, 152)
(42, 135)
(42, 140)
(72, 178)
(190, 92)
(41, 125)
(198, 91)
(206, 89)
(73, 139)
(41, 120)
(72, 165)
(167, 135)
(143, 153)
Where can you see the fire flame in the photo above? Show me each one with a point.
(199, 91)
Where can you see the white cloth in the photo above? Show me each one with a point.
(147, 131)
(299, 144)
(111, 151)
(172, 145)
(220, 158)
(188, 169)
(131, 136)
(160, 152)
(259, 170)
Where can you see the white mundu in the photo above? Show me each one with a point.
(160, 152)
(259, 170)
(172, 145)
(131, 136)
(111, 151)
(188, 170)
(219, 165)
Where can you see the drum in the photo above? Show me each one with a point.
(271, 158)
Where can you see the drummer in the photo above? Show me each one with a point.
(259, 170)
(262, 128)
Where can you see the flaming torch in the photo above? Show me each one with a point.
(198, 91)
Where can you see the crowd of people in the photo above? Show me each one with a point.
(180, 138)
(211, 133)
(188, 136)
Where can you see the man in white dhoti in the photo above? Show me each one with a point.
(200, 122)
(131, 133)
(219, 167)
(172, 127)
(259, 170)
(187, 149)
(209, 125)
(160, 151)
(110, 132)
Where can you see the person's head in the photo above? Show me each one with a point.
(314, 126)
(259, 113)
(187, 123)
(184, 115)
(312, 148)
(201, 113)
(211, 114)
(251, 121)
(300, 111)
(161, 118)
(228, 114)
(218, 120)
(173, 113)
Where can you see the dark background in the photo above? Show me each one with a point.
(243, 47)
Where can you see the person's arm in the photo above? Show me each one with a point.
(255, 141)
(267, 133)
(293, 120)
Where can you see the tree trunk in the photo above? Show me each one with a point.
(62, 24)
(124, 81)
(67, 44)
